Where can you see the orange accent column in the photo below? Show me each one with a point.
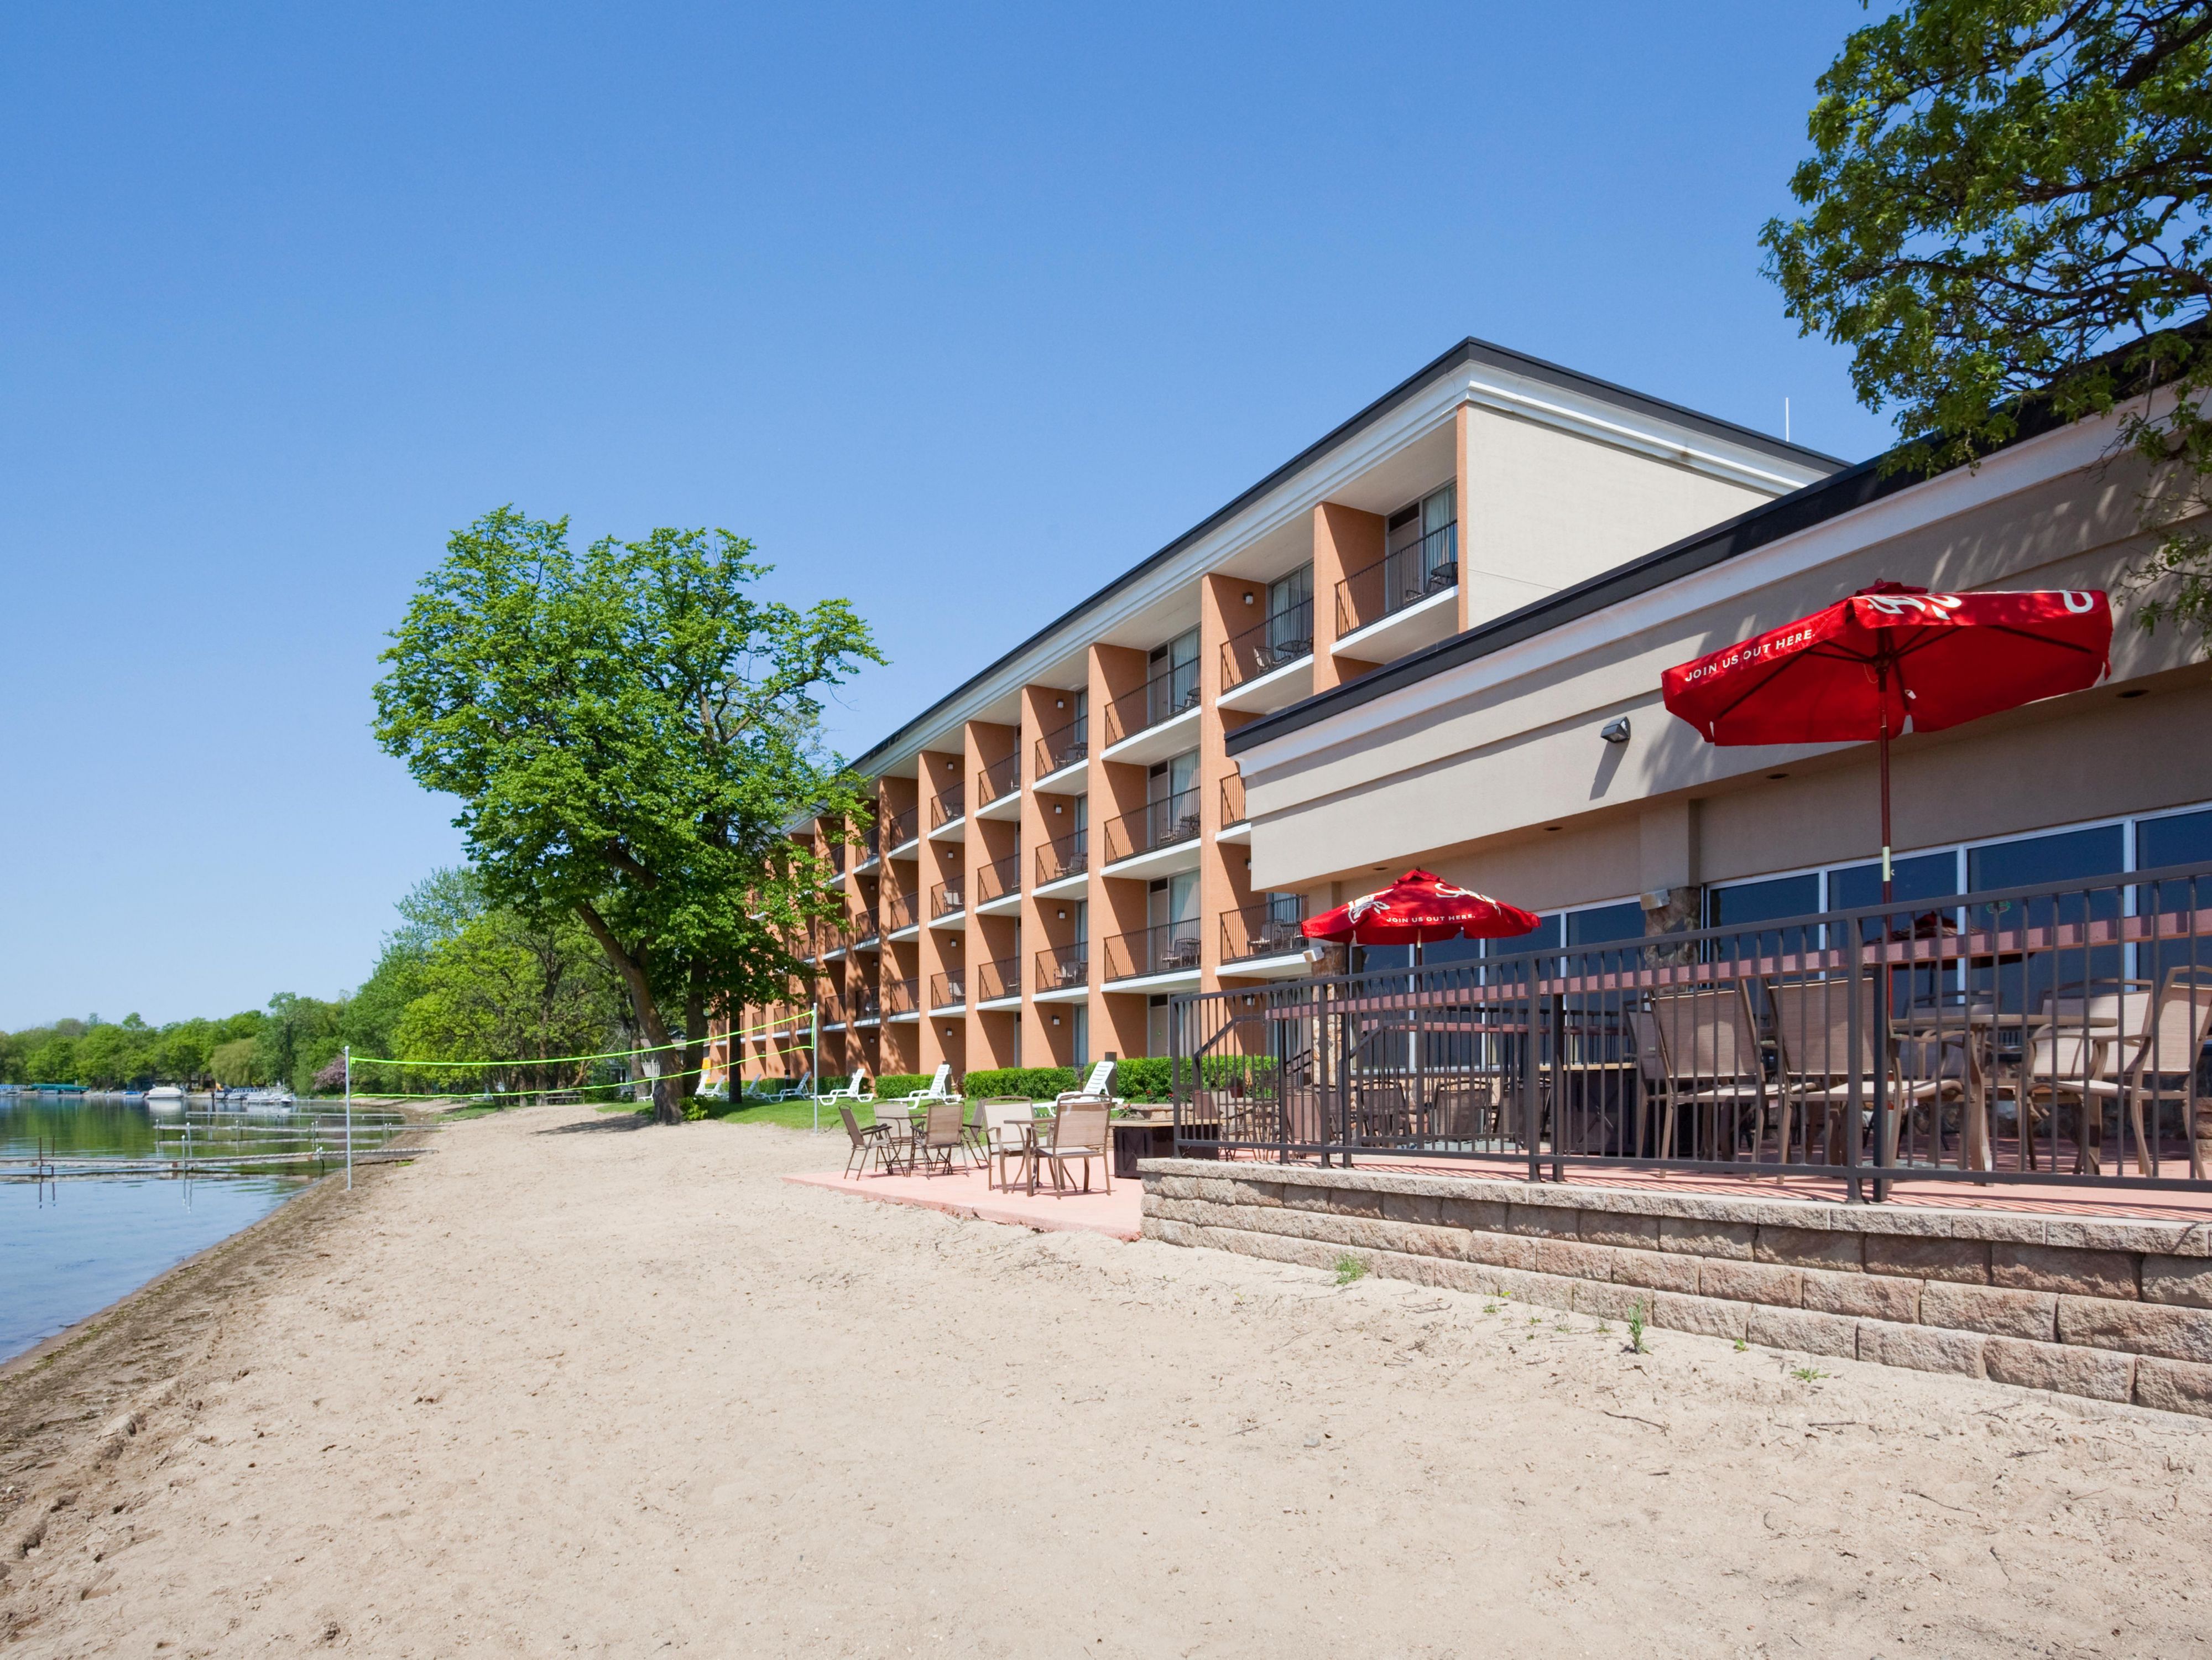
(1046, 924)
(1117, 1022)
(944, 1040)
(993, 1038)
(1224, 882)
(1345, 540)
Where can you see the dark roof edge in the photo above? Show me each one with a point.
(1770, 522)
(1468, 351)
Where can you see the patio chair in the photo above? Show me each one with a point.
(874, 1143)
(944, 1132)
(1462, 1112)
(1003, 1118)
(1813, 1067)
(2151, 1040)
(1079, 1130)
(1379, 1116)
(1709, 1045)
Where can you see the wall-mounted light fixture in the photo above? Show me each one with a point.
(1616, 731)
(1247, 599)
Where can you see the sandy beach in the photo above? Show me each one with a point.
(576, 1385)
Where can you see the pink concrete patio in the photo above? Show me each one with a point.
(967, 1192)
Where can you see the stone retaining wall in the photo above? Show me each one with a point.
(2118, 1309)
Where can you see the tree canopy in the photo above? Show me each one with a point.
(2006, 203)
(631, 733)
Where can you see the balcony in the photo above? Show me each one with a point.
(837, 859)
(1063, 973)
(1270, 664)
(901, 999)
(948, 813)
(867, 1007)
(1153, 721)
(1166, 953)
(1263, 941)
(999, 983)
(901, 914)
(1064, 859)
(902, 830)
(1234, 814)
(948, 992)
(1068, 747)
(871, 847)
(946, 902)
(833, 1016)
(1158, 838)
(862, 930)
(999, 886)
(1401, 602)
(999, 788)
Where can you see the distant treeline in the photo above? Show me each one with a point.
(460, 979)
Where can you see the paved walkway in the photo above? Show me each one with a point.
(968, 1192)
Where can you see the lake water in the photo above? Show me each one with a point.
(69, 1249)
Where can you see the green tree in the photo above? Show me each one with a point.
(236, 1063)
(2006, 208)
(630, 733)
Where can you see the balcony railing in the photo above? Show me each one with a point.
(948, 808)
(998, 878)
(1401, 578)
(1002, 777)
(837, 858)
(900, 996)
(945, 899)
(948, 991)
(1063, 967)
(832, 1011)
(1232, 800)
(901, 828)
(1064, 856)
(1164, 948)
(999, 979)
(1269, 928)
(1063, 747)
(901, 911)
(861, 926)
(1285, 636)
(1170, 692)
(871, 845)
(1161, 824)
(868, 1005)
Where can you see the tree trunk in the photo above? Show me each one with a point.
(667, 1102)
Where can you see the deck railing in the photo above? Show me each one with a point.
(1064, 856)
(948, 808)
(946, 900)
(1283, 638)
(899, 996)
(1063, 747)
(998, 878)
(1269, 928)
(901, 911)
(1062, 968)
(1000, 979)
(1232, 800)
(1160, 823)
(1163, 948)
(948, 990)
(901, 828)
(1002, 777)
(1170, 692)
(2051, 1036)
(1403, 577)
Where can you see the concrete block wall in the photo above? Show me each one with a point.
(2115, 1309)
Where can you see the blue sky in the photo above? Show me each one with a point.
(1016, 293)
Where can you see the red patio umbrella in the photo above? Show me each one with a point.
(1890, 654)
(1418, 907)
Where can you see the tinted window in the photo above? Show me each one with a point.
(1924, 876)
(2184, 839)
(2068, 856)
(1606, 924)
(1762, 902)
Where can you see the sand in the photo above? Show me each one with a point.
(577, 1386)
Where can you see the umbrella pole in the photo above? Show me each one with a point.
(1881, 693)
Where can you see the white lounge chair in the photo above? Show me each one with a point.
(940, 1087)
(855, 1088)
(1097, 1087)
(798, 1091)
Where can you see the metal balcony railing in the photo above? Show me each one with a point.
(1063, 747)
(869, 1004)
(838, 858)
(945, 899)
(860, 925)
(1002, 777)
(1062, 968)
(901, 911)
(1064, 856)
(1160, 823)
(998, 878)
(1232, 800)
(871, 845)
(1269, 928)
(1284, 637)
(900, 996)
(948, 808)
(1164, 948)
(1170, 692)
(948, 991)
(901, 828)
(1403, 577)
(1000, 979)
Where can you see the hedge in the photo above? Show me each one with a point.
(1139, 1078)
(1030, 1083)
(901, 1083)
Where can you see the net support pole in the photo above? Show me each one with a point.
(348, 1052)
(814, 1060)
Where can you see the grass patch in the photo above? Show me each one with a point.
(1809, 1374)
(1635, 1329)
(1350, 1270)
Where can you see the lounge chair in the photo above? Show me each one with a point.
(798, 1091)
(874, 1143)
(855, 1088)
(940, 1087)
(1079, 1130)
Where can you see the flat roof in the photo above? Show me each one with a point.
(1471, 350)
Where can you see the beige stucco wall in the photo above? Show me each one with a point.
(1467, 770)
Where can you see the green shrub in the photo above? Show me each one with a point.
(1032, 1082)
(901, 1083)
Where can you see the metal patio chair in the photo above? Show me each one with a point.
(1711, 1067)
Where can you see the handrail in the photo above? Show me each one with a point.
(1157, 825)
(946, 900)
(1163, 948)
(901, 828)
(1172, 691)
(948, 808)
(900, 912)
(1000, 778)
(1404, 576)
(948, 990)
(998, 878)
(1064, 856)
(1063, 746)
(1268, 929)
(1060, 968)
(1278, 639)
(998, 979)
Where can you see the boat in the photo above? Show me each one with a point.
(276, 1100)
(165, 1097)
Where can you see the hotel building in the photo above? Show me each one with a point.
(1064, 842)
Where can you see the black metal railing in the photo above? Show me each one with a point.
(1232, 800)
(2052, 1035)
(1405, 576)
(948, 991)
(1064, 856)
(871, 845)
(1062, 968)
(868, 1005)
(1064, 746)
(999, 979)
(1170, 692)
(945, 900)
(998, 878)
(1269, 928)
(1163, 948)
(901, 911)
(1002, 777)
(1283, 638)
(860, 925)
(837, 858)
(900, 996)
(901, 828)
(948, 808)
(1160, 823)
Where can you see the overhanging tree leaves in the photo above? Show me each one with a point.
(2007, 200)
(630, 733)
